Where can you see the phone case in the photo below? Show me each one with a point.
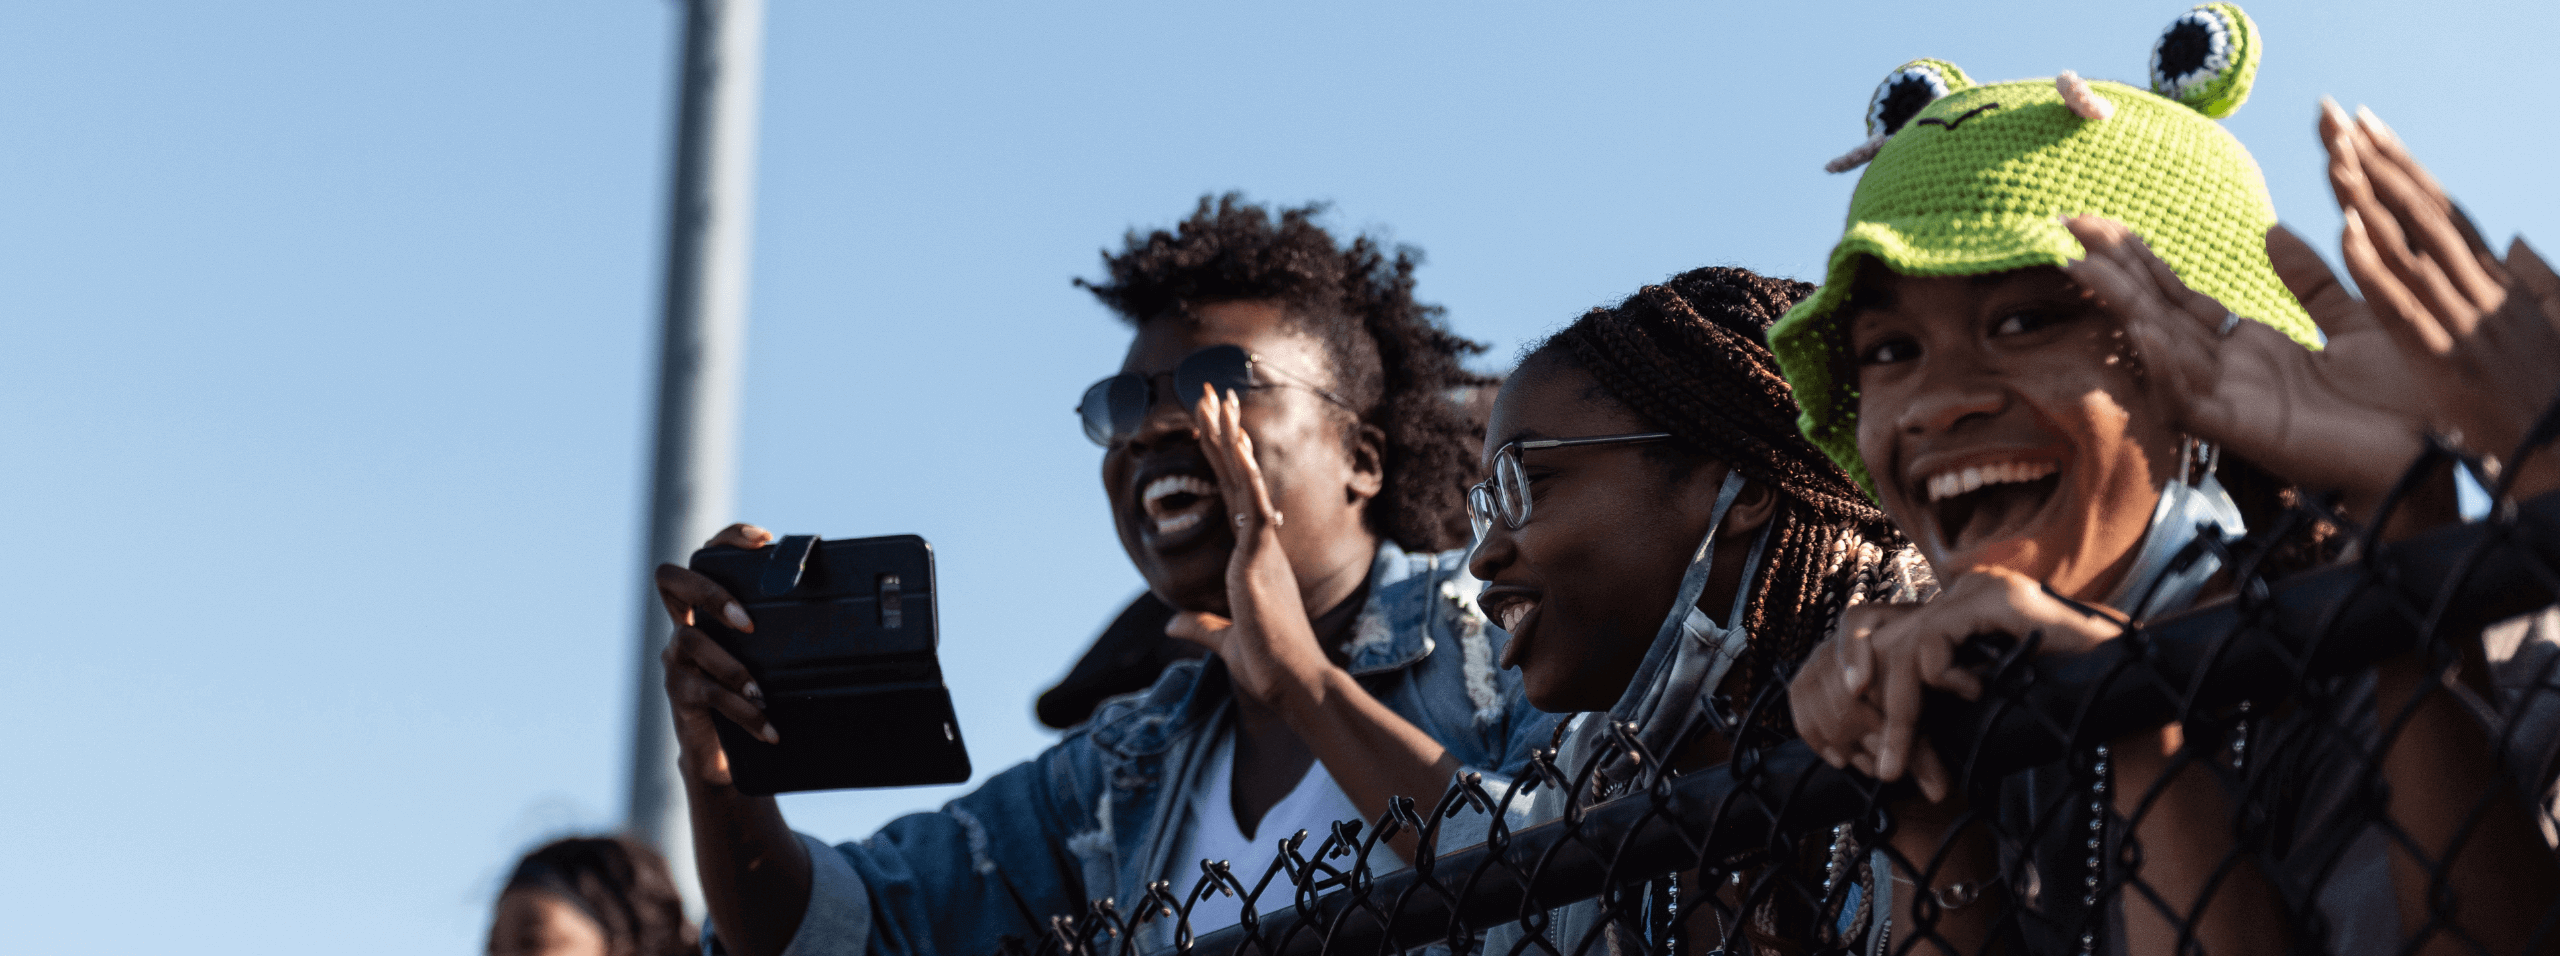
(844, 650)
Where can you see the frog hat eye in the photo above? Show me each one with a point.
(1903, 94)
(2207, 59)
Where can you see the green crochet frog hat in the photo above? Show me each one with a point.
(1968, 179)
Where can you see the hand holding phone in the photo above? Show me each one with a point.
(812, 663)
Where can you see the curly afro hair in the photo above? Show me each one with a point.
(1394, 358)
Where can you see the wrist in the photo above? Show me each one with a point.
(1307, 689)
(696, 771)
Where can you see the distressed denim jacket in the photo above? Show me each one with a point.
(1100, 814)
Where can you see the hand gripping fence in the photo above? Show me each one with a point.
(2325, 715)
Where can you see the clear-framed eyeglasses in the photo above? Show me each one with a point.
(1507, 492)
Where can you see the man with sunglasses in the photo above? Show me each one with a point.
(1284, 427)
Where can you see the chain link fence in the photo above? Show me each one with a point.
(2355, 758)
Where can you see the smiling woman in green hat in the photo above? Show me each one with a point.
(1973, 360)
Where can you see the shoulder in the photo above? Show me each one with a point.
(1149, 721)
(1417, 601)
(1438, 597)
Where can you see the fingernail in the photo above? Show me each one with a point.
(2329, 107)
(1853, 677)
(2355, 223)
(770, 735)
(2365, 113)
(736, 616)
(753, 694)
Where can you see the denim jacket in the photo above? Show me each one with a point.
(1100, 814)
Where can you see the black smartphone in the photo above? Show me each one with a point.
(844, 650)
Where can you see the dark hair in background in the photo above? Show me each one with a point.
(1393, 357)
(621, 884)
(1689, 356)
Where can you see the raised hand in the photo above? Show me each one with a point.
(2245, 386)
(1269, 646)
(2477, 331)
(701, 678)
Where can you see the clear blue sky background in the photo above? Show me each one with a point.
(325, 356)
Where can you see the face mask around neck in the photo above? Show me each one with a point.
(2170, 566)
(1674, 688)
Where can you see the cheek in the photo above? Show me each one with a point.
(2116, 401)
(1875, 447)
(1612, 566)
(2117, 423)
(1298, 453)
(1115, 474)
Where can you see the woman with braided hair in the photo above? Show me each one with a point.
(1646, 458)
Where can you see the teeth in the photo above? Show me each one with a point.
(1177, 522)
(1515, 612)
(1948, 484)
(1174, 485)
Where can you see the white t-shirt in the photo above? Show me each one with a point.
(1212, 834)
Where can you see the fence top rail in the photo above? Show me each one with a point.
(2257, 646)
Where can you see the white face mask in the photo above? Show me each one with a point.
(1675, 686)
(2158, 583)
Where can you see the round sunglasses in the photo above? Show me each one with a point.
(1506, 494)
(1115, 408)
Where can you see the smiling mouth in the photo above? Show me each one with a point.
(1177, 503)
(1510, 610)
(1979, 504)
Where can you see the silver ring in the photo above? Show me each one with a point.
(2230, 321)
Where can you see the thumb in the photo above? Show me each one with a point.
(2536, 276)
(1198, 627)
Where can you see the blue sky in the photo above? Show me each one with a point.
(325, 365)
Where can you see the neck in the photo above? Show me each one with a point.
(1334, 595)
(1342, 571)
(1716, 602)
(1270, 757)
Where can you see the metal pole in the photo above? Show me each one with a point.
(691, 487)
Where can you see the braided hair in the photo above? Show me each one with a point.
(1690, 356)
(1394, 359)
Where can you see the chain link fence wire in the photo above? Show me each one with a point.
(2356, 758)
